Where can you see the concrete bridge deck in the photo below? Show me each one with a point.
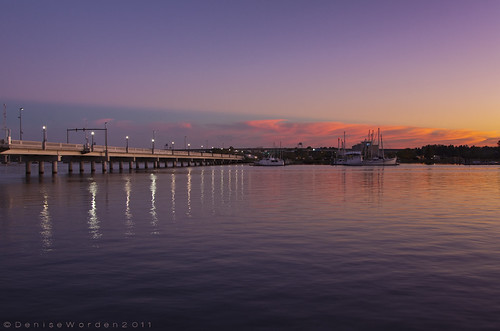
(36, 151)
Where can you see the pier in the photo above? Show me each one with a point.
(107, 156)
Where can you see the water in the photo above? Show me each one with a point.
(252, 248)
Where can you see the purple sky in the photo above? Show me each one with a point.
(206, 69)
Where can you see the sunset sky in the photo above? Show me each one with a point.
(253, 73)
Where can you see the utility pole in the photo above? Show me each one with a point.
(20, 123)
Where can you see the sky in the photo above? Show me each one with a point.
(251, 73)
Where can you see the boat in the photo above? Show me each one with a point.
(349, 158)
(367, 153)
(270, 161)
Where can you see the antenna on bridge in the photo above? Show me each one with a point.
(5, 119)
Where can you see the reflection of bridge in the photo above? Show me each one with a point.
(41, 152)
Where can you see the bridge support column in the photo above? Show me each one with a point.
(104, 167)
(130, 165)
(137, 165)
(41, 167)
(70, 167)
(28, 167)
(120, 166)
(146, 165)
(54, 167)
(174, 163)
(92, 166)
(82, 167)
(110, 166)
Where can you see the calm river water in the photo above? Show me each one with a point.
(252, 248)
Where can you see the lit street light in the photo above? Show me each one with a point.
(152, 146)
(189, 149)
(92, 146)
(172, 148)
(126, 148)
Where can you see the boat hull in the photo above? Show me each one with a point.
(374, 162)
(272, 162)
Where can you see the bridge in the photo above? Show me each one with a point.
(54, 153)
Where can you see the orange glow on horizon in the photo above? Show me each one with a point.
(326, 134)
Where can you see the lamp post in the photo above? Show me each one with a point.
(201, 150)
(126, 146)
(106, 139)
(152, 146)
(44, 141)
(173, 147)
(20, 123)
(92, 146)
(189, 149)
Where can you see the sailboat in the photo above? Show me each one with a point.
(366, 153)
(271, 160)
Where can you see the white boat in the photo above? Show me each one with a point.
(366, 153)
(350, 158)
(270, 161)
(381, 161)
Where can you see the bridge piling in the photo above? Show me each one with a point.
(70, 167)
(54, 167)
(28, 167)
(92, 166)
(41, 167)
(81, 167)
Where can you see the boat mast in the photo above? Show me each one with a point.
(344, 144)
(378, 142)
(382, 145)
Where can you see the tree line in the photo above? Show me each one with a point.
(462, 154)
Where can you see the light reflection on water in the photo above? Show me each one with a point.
(129, 219)
(93, 220)
(152, 211)
(172, 188)
(46, 224)
(300, 247)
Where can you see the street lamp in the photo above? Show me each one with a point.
(92, 146)
(189, 149)
(44, 141)
(106, 139)
(126, 147)
(173, 148)
(20, 124)
(152, 146)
